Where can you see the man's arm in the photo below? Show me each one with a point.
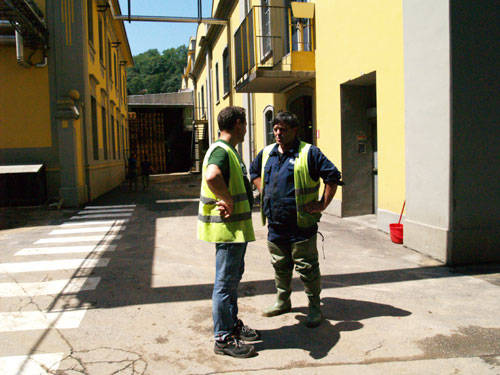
(216, 183)
(255, 171)
(319, 206)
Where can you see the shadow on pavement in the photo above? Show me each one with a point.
(319, 341)
(128, 278)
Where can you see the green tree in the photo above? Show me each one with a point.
(154, 72)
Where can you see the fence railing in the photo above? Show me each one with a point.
(266, 35)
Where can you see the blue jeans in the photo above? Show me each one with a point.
(229, 267)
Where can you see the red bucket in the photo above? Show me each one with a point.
(396, 232)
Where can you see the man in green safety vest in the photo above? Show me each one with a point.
(225, 217)
(287, 174)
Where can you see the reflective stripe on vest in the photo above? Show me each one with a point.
(211, 226)
(306, 189)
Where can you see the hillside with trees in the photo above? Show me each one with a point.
(154, 72)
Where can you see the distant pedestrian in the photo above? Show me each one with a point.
(225, 217)
(146, 170)
(132, 172)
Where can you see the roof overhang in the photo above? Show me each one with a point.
(273, 81)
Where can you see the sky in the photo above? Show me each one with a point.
(143, 36)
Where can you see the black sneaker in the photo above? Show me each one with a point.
(246, 333)
(234, 347)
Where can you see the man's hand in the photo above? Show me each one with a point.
(257, 182)
(225, 208)
(319, 206)
(217, 185)
(314, 207)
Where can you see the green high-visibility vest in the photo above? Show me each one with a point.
(211, 226)
(306, 189)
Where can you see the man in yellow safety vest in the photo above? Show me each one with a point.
(225, 217)
(287, 174)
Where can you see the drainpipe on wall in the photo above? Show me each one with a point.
(20, 51)
(209, 94)
(248, 104)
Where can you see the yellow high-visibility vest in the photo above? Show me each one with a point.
(211, 226)
(306, 189)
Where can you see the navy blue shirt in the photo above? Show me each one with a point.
(279, 199)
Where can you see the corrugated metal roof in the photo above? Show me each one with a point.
(169, 99)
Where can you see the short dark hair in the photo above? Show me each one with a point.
(228, 116)
(287, 118)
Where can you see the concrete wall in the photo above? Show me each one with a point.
(475, 32)
(427, 113)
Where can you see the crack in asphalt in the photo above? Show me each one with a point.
(375, 348)
(492, 361)
(137, 364)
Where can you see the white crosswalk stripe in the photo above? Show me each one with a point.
(90, 233)
(35, 364)
(85, 223)
(122, 214)
(113, 206)
(87, 249)
(52, 265)
(36, 320)
(85, 211)
(68, 286)
(107, 229)
(97, 239)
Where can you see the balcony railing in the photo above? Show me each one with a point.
(269, 37)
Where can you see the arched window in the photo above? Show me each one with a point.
(268, 125)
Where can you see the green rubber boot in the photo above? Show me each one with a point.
(282, 304)
(314, 317)
(313, 289)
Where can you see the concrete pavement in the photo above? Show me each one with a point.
(144, 305)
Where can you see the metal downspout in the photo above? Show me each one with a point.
(20, 51)
(249, 136)
(209, 96)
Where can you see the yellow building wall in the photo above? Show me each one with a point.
(224, 98)
(24, 104)
(234, 22)
(104, 72)
(107, 173)
(356, 37)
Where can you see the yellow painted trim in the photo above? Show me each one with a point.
(68, 18)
